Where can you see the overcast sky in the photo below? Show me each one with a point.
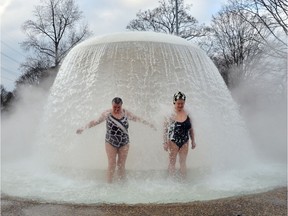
(102, 16)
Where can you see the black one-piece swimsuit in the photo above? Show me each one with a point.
(178, 132)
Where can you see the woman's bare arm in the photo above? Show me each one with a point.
(95, 122)
(192, 136)
(165, 134)
(135, 118)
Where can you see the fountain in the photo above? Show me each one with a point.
(145, 69)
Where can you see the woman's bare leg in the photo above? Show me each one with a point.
(122, 156)
(182, 160)
(173, 151)
(111, 154)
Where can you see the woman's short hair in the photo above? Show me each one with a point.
(117, 100)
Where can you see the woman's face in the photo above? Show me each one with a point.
(116, 107)
(179, 104)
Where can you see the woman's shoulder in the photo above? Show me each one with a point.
(189, 116)
(106, 112)
(127, 113)
(187, 112)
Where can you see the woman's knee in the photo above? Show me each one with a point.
(111, 168)
(112, 164)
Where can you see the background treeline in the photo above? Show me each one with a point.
(241, 39)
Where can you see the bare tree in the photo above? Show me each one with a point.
(55, 30)
(164, 17)
(36, 76)
(273, 14)
(236, 43)
(6, 98)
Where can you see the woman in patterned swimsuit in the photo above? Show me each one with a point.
(117, 137)
(177, 129)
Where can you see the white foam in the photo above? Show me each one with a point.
(135, 36)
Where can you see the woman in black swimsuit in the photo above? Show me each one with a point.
(177, 130)
(117, 137)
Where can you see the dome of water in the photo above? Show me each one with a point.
(145, 70)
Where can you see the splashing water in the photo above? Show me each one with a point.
(145, 70)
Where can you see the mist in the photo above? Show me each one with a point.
(20, 124)
(262, 98)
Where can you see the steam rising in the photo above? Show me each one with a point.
(262, 96)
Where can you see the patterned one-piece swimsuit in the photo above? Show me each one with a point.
(117, 131)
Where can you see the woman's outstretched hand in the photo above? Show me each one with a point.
(193, 144)
(79, 131)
